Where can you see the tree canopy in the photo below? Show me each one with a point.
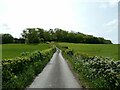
(37, 35)
(7, 38)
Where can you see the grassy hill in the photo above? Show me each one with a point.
(14, 50)
(106, 50)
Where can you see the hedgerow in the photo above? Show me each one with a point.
(19, 72)
(99, 72)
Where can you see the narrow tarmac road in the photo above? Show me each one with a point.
(56, 74)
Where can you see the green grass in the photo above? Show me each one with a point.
(106, 50)
(0, 52)
(14, 50)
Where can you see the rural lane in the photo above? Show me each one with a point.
(56, 74)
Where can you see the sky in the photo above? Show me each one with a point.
(94, 17)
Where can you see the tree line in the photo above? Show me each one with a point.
(39, 35)
(8, 38)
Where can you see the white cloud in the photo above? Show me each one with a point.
(113, 23)
(103, 5)
(109, 4)
(98, 0)
(113, 3)
(4, 27)
(111, 26)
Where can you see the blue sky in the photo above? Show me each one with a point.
(99, 19)
(95, 17)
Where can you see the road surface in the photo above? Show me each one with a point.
(56, 74)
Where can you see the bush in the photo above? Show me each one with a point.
(18, 73)
(100, 72)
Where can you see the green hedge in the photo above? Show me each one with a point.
(20, 72)
(99, 72)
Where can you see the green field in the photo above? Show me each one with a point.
(0, 52)
(106, 50)
(14, 50)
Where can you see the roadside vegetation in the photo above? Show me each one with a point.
(93, 71)
(19, 72)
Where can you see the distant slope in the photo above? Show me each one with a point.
(15, 50)
(106, 50)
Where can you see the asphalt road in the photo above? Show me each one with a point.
(56, 74)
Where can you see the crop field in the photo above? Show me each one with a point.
(14, 50)
(105, 50)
